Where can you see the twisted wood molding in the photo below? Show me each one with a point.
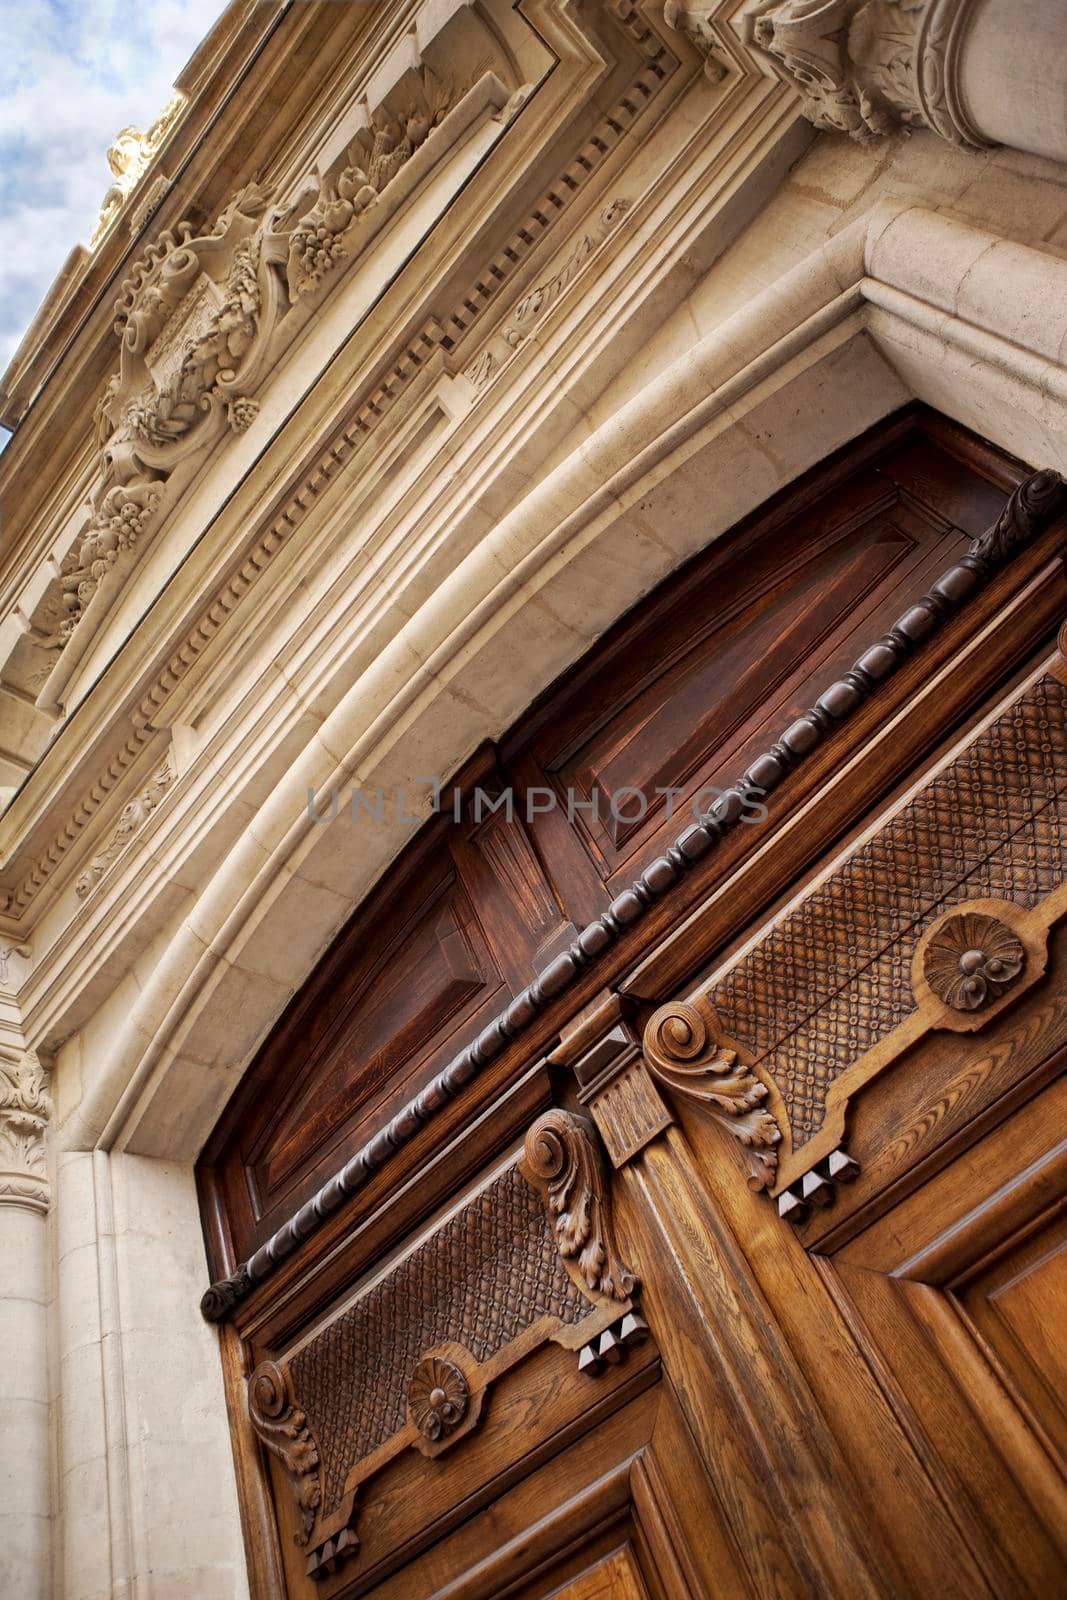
(1030, 508)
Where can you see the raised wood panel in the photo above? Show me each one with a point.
(1019, 1308)
(684, 693)
(396, 1000)
(957, 1294)
(614, 1577)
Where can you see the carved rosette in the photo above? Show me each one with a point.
(284, 1430)
(866, 67)
(562, 1158)
(971, 960)
(25, 1111)
(438, 1396)
(682, 1052)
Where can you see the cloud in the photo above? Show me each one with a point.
(72, 73)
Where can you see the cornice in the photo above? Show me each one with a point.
(1030, 508)
(445, 335)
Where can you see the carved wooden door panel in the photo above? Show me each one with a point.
(726, 1255)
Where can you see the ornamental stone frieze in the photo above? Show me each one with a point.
(204, 315)
(25, 1111)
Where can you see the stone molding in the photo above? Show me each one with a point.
(25, 1112)
(867, 67)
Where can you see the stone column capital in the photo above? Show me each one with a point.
(867, 67)
(25, 1111)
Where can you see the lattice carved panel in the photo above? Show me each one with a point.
(833, 976)
(488, 1274)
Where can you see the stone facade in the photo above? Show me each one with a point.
(421, 379)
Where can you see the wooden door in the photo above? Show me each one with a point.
(628, 1211)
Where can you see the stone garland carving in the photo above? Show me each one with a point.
(1029, 509)
(654, 73)
(971, 960)
(132, 817)
(318, 239)
(283, 1428)
(195, 318)
(438, 1396)
(25, 1111)
(561, 1157)
(683, 1053)
(866, 67)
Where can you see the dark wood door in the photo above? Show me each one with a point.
(618, 1215)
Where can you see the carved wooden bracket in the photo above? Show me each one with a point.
(686, 1052)
(562, 1158)
(283, 1427)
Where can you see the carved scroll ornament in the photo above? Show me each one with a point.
(682, 1051)
(562, 1158)
(284, 1430)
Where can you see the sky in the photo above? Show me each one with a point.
(72, 73)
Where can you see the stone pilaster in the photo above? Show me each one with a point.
(865, 67)
(25, 1110)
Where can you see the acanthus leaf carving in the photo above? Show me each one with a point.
(132, 817)
(867, 67)
(1030, 507)
(25, 1111)
(562, 1158)
(283, 1428)
(683, 1052)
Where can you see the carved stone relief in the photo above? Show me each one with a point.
(25, 1111)
(866, 67)
(197, 315)
(694, 20)
(131, 819)
(129, 157)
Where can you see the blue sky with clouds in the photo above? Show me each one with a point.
(72, 73)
